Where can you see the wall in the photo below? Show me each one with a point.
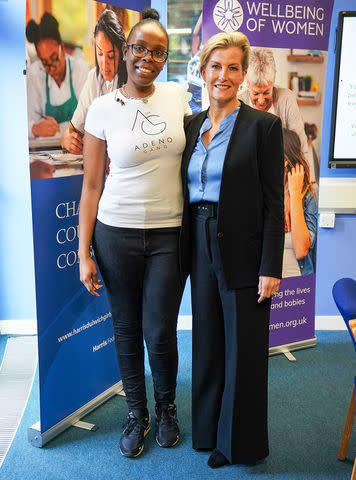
(336, 256)
(17, 299)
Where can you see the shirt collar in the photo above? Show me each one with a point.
(110, 84)
(207, 123)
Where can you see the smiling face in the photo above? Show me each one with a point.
(142, 72)
(261, 97)
(107, 56)
(223, 74)
(51, 54)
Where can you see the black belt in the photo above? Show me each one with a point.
(206, 209)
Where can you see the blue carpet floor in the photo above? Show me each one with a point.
(308, 402)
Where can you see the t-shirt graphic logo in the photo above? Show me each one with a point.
(228, 15)
(149, 124)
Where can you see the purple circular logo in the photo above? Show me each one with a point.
(228, 15)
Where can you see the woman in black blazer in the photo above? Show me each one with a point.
(232, 246)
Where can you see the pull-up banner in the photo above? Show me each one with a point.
(77, 359)
(286, 77)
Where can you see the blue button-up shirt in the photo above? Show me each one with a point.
(205, 166)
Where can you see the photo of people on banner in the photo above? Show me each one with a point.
(301, 160)
(73, 55)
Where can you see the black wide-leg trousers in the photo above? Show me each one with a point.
(230, 354)
(140, 269)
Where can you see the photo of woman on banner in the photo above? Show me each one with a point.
(263, 94)
(301, 210)
(134, 223)
(108, 75)
(54, 82)
(232, 245)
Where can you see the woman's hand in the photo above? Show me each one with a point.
(295, 181)
(299, 229)
(41, 169)
(94, 164)
(47, 127)
(89, 276)
(72, 140)
(267, 287)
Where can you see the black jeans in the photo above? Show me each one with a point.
(140, 269)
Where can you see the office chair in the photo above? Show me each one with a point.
(344, 293)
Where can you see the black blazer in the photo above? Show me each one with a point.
(251, 202)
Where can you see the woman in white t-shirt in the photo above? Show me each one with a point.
(134, 223)
(108, 74)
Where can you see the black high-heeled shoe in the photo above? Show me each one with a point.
(217, 459)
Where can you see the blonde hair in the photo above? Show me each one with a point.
(226, 40)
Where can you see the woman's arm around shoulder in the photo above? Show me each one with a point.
(187, 121)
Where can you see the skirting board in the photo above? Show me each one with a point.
(29, 327)
(329, 322)
(18, 327)
(322, 322)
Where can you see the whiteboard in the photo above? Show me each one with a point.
(343, 133)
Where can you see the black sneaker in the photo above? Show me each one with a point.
(133, 434)
(167, 429)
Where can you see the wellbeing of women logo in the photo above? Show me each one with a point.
(228, 15)
(302, 24)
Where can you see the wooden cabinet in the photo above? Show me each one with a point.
(306, 58)
(305, 101)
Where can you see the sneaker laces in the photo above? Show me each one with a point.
(134, 424)
(168, 415)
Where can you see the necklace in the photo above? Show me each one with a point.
(129, 97)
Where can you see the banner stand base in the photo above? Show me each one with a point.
(86, 426)
(286, 349)
(289, 356)
(38, 439)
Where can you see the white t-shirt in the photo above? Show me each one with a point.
(145, 142)
(91, 90)
(36, 88)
